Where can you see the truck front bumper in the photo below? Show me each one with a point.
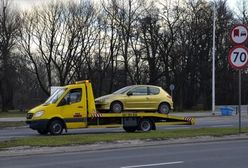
(37, 124)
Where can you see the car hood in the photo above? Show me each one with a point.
(109, 96)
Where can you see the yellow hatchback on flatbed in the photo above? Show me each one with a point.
(138, 98)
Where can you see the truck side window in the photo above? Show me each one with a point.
(73, 96)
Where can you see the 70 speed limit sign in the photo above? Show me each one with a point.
(238, 57)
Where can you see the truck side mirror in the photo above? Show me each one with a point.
(63, 102)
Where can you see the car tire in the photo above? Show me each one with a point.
(164, 108)
(42, 132)
(145, 125)
(56, 127)
(116, 107)
(129, 129)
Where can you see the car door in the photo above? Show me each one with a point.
(72, 109)
(137, 98)
(154, 97)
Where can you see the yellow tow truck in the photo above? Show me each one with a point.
(73, 106)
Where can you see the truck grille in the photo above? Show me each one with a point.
(29, 115)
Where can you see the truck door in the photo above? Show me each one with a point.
(73, 108)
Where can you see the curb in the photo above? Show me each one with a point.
(26, 150)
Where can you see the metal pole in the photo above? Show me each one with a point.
(172, 94)
(239, 108)
(213, 65)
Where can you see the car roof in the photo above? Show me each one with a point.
(145, 85)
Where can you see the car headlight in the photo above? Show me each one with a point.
(39, 113)
(102, 100)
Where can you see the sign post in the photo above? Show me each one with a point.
(238, 56)
(172, 87)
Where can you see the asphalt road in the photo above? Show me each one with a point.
(205, 122)
(225, 154)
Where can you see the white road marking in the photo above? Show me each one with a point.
(178, 127)
(154, 164)
(215, 126)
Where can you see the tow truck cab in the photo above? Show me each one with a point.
(67, 107)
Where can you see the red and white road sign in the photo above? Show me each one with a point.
(239, 34)
(238, 57)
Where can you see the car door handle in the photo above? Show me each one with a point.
(80, 106)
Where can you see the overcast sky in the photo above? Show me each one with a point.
(25, 4)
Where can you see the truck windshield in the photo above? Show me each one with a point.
(122, 90)
(55, 96)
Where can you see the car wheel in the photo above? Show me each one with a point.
(129, 129)
(42, 132)
(145, 125)
(116, 107)
(164, 108)
(56, 127)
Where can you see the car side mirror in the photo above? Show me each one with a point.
(129, 93)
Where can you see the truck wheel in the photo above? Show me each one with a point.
(116, 107)
(129, 129)
(56, 127)
(42, 132)
(145, 125)
(164, 108)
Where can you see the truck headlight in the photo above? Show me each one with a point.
(39, 113)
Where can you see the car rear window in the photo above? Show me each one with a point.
(153, 90)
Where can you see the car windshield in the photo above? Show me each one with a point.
(55, 96)
(122, 90)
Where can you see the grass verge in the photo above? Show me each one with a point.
(13, 113)
(12, 124)
(65, 140)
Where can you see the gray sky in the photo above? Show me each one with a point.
(26, 4)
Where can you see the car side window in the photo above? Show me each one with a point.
(73, 96)
(139, 91)
(153, 91)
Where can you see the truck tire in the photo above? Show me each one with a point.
(116, 107)
(56, 127)
(164, 108)
(145, 125)
(42, 132)
(129, 129)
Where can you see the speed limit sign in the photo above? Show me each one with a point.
(238, 57)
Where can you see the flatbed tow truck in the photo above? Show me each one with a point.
(73, 106)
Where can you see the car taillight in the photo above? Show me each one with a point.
(169, 96)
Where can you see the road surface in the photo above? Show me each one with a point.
(225, 154)
(205, 122)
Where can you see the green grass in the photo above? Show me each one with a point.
(12, 124)
(13, 113)
(65, 140)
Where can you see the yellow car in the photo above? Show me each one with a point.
(136, 97)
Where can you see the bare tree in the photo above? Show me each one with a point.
(58, 39)
(9, 26)
(127, 13)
